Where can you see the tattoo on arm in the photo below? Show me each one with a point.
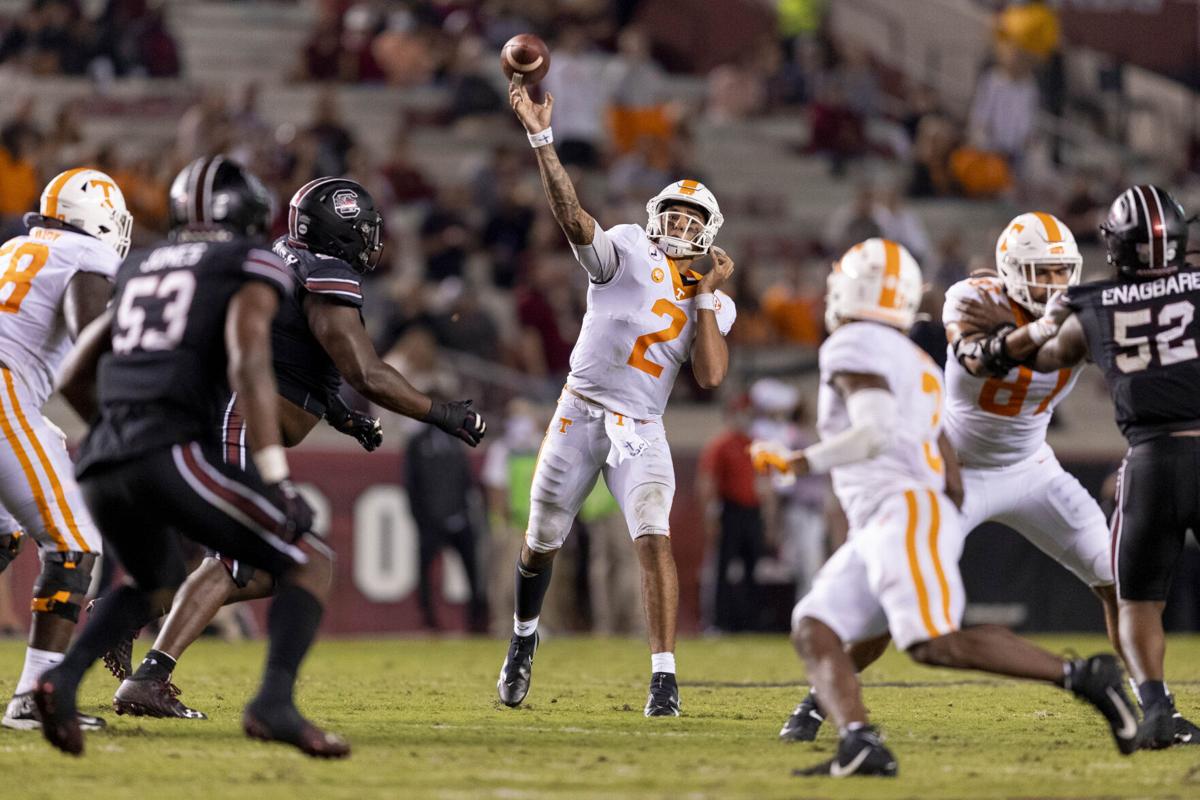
(576, 223)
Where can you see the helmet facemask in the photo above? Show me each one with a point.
(682, 233)
(1021, 277)
(371, 230)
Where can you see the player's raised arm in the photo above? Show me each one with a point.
(576, 223)
(340, 331)
(1052, 342)
(710, 353)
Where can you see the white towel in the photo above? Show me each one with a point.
(625, 440)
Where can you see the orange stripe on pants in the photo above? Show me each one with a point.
(27, 467)
(914, 564)
(55, 484)
(934, 524)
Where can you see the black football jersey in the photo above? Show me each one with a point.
(305, 372)
(1144, 338)
(166, 378)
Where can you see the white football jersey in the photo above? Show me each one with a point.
(995, 422)
(912, 460)
(639, 325)
(36, 269)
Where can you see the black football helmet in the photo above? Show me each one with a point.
(214, 192)
(337, 217)
(1146, 234)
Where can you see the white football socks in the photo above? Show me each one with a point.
(526, 628)
(662, 662)
(36, 662)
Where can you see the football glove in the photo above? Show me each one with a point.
(298, 514)
(457, 419)
(366, 429)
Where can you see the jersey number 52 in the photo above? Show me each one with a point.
(1169, 343)
(170, 294)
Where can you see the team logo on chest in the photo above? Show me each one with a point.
(345, 203)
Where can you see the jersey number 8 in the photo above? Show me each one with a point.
(171, 292)
(1169, 343)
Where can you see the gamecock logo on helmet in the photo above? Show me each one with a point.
(345, 203)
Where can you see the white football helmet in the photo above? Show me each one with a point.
(91, 201)
(692, 193)
(875, 280)
(1035, 239)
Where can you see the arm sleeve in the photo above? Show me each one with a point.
(600, 258)
(332, 279)
(726, 312)
(98, 258)
(851, 348)
(265, 266)
(873, 421)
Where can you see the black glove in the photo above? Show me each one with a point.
(10, 548)
(457, 419)
(297, 512)
(344, 419)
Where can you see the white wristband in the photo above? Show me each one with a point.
(541, 138)
(1042, 330)
(706, 302)
(272, 464)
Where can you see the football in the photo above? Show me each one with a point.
(527, 56)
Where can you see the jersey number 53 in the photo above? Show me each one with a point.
(153, 312)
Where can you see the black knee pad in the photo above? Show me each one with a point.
(10, 547)
(63, 583)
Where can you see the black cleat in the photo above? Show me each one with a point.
(1098, 681)
(805, 721)
(286, 724)
(1185, 731)
(860, 752)
(119, 660)
(152, 698)
(60, 718)
(664, 696)
(517, 671)
(1157, 731)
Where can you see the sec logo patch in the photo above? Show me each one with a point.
(657, 275)
(655, 253)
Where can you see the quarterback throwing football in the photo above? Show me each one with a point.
(647, 313)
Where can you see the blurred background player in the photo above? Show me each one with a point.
(996, 420)
(191, 321)
(894, 472)
(609, 418)
(335, 237)
(1139, 328)
(57, 279)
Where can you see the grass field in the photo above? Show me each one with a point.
(424, 722)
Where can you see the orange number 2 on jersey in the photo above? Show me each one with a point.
(664, 308)
(20, 275)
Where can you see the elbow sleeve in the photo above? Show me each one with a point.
(598, 257)
(873, 415)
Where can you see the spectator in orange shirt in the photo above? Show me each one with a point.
(19, 184)
(795, 309)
